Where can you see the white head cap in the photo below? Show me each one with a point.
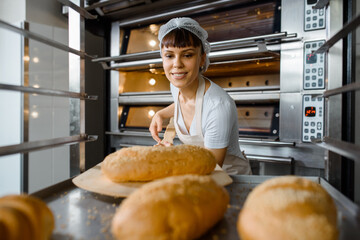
(191, 26)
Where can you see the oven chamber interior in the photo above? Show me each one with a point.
(257, 57)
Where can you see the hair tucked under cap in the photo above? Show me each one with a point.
(191, 26)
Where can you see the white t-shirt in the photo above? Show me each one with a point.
(219, 120)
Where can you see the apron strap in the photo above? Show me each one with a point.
(198, 114)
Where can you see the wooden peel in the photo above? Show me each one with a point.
(94, 180)
(170, 133)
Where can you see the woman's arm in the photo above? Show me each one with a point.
(157, 121)
(219, 154)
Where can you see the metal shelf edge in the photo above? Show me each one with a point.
(44, 144)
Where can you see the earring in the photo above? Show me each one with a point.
(202, 68)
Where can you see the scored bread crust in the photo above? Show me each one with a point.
(146, 163)
(178, 207)
(25, 217)
(288, 207)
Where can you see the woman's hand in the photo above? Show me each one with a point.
(156, 127)
(157, 121)
(164, 144)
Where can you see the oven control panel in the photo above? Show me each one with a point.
(314, 18)
(313, 120)
(314, 66)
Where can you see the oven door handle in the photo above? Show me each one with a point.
(265, 143)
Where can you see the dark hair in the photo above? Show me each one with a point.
(180, 38)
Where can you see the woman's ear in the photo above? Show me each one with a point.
(203, 58)
(202, 63)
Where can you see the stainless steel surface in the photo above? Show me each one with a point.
(146, 60)
(49, 92)
(256, 96)
(78, 9)
(265, 142)
(291, 59)
(194, 8)
(304, 154)
(114, 78)
(42, 39)
(249, 54)
(147, 63)
(352, 210)
(43, 144)
(235, 43)
(84, 215)
(342, 148)
(347, 88)
(251, 41)
(290, 117)
(347, 28)
(148, 99)
(166, 98)
(269, 159)
(133, 133)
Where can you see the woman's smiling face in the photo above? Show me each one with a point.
(182, 65)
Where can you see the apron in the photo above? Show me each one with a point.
(232, 164)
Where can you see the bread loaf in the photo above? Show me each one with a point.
(178, 207)
(25, 217)
(145, 163)
(288, 207)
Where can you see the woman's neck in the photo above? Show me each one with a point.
(189, 93)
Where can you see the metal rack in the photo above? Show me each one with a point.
(342, 148)
(77, 87)
(244, 49)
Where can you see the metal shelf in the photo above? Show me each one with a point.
(44, 144)
(78, 9)
(349, 27)
(347, 88)
(342, 148)
(48, 92)
(257, 142)
(245, 49)
(247, 94)
(270, 159)
(44, 40)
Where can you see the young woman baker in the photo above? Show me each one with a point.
(204, 114)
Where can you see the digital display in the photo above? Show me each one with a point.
(310, 111)
(311, 1)
(311, 58)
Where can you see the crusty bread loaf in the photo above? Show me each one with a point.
(288, 207)
(178, 207)
(146, 163)
(25, 217)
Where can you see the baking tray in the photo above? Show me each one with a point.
(80, 214)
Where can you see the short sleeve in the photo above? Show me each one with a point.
(219, 124)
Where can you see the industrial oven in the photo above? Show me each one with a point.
(262, 55)
(289, 65)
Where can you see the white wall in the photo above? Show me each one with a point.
(50, 166)
(48, 116)
(12, 11)
(47, 12)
